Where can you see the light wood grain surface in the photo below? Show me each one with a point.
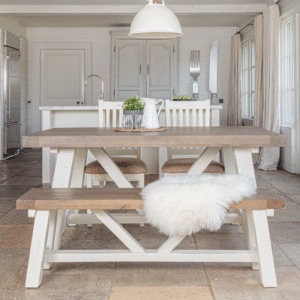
(122, 198)
(241, 136)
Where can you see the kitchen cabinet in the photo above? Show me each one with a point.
(62, 77)
(147, 68)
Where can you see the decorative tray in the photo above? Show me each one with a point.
(140, 130)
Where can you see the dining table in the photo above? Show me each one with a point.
(236, 144)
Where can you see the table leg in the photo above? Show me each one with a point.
(62, 179)
(203, 161)
(111, 168)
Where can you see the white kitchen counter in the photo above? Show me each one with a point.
(87, 116)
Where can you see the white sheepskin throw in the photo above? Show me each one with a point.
(182, 205)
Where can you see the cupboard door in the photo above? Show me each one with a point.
(128, 69)
(62, 77)
(160, 78)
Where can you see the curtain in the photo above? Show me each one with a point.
(267, 82)
(234, 96)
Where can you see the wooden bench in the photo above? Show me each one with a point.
(52, 218)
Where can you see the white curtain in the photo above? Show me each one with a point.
(234, 96)
(267, 82)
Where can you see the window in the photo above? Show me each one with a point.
(288, 96)
(248, 79)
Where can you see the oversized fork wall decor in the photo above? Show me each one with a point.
(195, 71)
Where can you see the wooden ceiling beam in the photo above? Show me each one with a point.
(127, 9)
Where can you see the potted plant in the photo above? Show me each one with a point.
(183, 98)
(132, 113)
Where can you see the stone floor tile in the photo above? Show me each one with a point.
(15, 236)
(31, 172)
(7, 205)
(61, 287)
(150, 238)
(92, 268)
(226, 228)
(81, 232)
(285, 233)
(286, 187)
(291, 213)
(295, 198)
(160, 293)
(11, 260)
(23, 180)
(244, 284)
(293, 252)
(14, 191)
(159, 274)
(90, 244)
(221, 241)
(16, 216)
(8, 174)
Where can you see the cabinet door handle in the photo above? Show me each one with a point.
(141, 69)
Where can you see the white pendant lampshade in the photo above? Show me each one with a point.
(155, 21)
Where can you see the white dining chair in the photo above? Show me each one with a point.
(127, 159)
(186, 114)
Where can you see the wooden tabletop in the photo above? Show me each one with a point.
(240, 136)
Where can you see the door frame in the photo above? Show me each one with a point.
(115, 35)
(34, 71)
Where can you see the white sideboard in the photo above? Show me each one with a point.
(87, 116)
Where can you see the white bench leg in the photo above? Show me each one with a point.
(248, 227)
(61, 225)
(51, 233)
(264, 248)
(37, 249)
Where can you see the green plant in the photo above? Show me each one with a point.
(134, 103)
(183, 97)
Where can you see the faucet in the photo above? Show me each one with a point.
(102, 84)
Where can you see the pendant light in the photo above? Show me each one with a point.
(155, 21)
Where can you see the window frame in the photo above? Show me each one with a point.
(288, 73)
(248, 78)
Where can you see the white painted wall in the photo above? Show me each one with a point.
(193, 39)
(10, 24)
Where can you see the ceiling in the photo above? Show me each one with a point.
(228, 20)
(119, 13)
(126, 2)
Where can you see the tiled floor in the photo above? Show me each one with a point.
(130, 281)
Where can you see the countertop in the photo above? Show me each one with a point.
(81, 107)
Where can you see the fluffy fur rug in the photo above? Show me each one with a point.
(182, 205)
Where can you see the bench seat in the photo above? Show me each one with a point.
(125, 198)
(54, 208)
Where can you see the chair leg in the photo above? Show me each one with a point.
(37, 249)
(264, 248)
(141, 184)
(89, 183)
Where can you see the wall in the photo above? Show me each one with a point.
(9, 24)
(193, 39)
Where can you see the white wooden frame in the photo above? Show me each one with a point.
(50, 225)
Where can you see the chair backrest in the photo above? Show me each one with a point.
(187, 113)
(110, 115)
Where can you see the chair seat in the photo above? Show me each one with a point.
(182, 165)
(128, 165)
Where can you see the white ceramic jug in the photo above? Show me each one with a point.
(150, 113)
